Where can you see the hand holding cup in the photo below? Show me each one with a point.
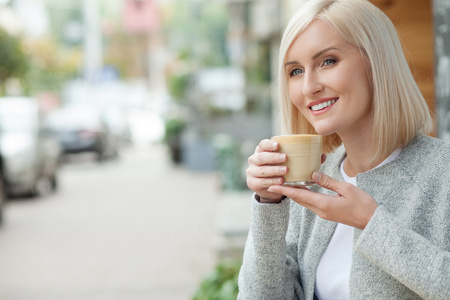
(275, 162)
(304, 152)
(265, 169)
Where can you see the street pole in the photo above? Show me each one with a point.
(93, 57)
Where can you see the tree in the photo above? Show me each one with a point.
(50, 65)
(13, 61)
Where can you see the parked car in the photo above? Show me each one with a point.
(83, 129)
(29, 155)
(2, 195)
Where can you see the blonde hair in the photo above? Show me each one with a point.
(399, 109)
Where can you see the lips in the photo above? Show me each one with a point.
(322, 104)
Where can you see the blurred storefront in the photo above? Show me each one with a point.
(414, 22)
(441, 10)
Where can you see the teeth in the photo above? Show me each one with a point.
(322, 105)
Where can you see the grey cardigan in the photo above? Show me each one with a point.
(403, 253)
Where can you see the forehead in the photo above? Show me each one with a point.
(317, 36)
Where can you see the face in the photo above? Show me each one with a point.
(328, 81)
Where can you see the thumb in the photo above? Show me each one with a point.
(326, 181)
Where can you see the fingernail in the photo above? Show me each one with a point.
(317, 176)
(282, 157)
(270, 189)
(274, 145)
(283, 169)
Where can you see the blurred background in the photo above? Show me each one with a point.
(125, 127)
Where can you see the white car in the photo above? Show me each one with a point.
(29, 155)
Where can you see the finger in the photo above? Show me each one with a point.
(316, 202)
(266, 171)
(328, 182)
(257, 184)
(267, 145)
(293, 193)
(266, 158)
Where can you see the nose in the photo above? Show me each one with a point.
(311, 83)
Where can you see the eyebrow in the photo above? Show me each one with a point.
(323, 51)
(315, 56)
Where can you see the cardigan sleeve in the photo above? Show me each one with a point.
(270, 269)
(406, 255)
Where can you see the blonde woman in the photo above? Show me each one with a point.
(377, 223)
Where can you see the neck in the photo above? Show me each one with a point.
(360, 151)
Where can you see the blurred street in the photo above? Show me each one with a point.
(131, 228)
(195, 77)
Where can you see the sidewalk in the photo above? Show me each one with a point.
(231, 217)
(233, 221)
(138, 228)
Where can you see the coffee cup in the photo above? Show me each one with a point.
(304, 152)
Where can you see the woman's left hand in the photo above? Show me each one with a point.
(351, 206)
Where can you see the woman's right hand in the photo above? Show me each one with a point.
(263, 170)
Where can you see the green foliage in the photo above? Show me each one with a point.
(174, 127)
(172, 138)
(199, 30)
(61, 13)
(258, 70)
(50, 65)
(221, 284)
(13, 62)
(178, 85)
(230, 163)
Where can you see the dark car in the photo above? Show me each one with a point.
(83, 129)
(29, 155)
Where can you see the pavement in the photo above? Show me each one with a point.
(140, 228)
(232, 223)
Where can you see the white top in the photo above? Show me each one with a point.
(333, 272)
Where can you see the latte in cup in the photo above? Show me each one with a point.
(304, 152)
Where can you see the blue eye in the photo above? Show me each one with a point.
(296, 72)
(328, 62)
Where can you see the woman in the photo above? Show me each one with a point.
(377, 225)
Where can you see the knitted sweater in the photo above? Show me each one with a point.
(403, 253)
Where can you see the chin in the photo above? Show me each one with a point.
(322, 130)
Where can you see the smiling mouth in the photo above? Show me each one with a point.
(323, 105)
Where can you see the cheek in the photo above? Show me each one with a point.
(361, 90)
(297, 101)
(292, 94)
(295, 95)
